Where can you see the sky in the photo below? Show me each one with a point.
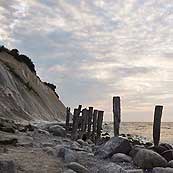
(96, 49)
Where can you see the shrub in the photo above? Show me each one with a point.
(52, 86)
(20, 58)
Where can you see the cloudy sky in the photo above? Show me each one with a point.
(96, 49)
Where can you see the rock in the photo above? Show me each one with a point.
(168, 155)
(170, 164)
(135, 171)
(66, 154)
(8, 140)
(82, 142)
(7, 166)
(45, 132)
(57, 130)
(89, 141)
(120, 157)
(75, 145)
(47, 144)
(134, 150)
(50, 151)
(69, 171)
(114, 145)
(147, 159)
(162, 170)
(25, 144)
(111, 168)
(77, 167)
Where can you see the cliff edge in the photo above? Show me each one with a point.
(23, 96)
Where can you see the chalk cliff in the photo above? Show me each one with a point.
(23, 96)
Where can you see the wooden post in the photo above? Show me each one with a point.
(67, 118)
(94, 125)
(156, 124)
(117, 115)
(84, 120)
(90, 115)
(76, 122)
(99, 124)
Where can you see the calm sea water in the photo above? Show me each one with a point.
(144, 129)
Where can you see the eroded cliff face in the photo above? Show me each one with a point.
(23, 96)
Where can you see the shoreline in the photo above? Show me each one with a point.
(49, 143)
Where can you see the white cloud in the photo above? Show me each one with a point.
(94, 49)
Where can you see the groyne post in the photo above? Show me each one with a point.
(76, 122)
(67, 118)
(116, 114)
(157, 124)
(95, 114)
(90, 116)
(99, 124)
(84, 120)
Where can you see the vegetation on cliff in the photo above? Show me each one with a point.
(26, 60)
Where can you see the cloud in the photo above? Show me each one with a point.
(96, 49)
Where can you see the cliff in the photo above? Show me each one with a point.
(23, 96)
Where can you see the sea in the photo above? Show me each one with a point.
(143, 129)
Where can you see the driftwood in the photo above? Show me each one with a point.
(117, 115)
(156, 124)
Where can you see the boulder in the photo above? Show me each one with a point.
(77, 167)
(111, 168)
(168, 155)
(162, 170)
(120, 157)
(7, 166)
(147, 159)
(65, 153)
(113, 146)
(57, 130)
(170, 164)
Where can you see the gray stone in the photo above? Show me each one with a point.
(7, 166)
(57, 130)
(170, 164)
(69, 171)
(113, 146)
(50, 151)
(135, 171)
(162, 170)
(77, 167)
(81, 142)
(65, 153)
(45, 132)
(111, 168)
(147, 159)
(120, 157)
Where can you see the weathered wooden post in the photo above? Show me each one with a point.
(67, 118)
(94, 125)
(99, 124)
(76, 122)
(156, 124)
(90, 115)
(84, 120)
(117, 115)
